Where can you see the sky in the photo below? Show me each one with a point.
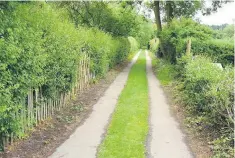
(226, 14)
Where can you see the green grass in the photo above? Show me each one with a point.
(131, 55)
(164, 71)
(128, 129)
(154, 44)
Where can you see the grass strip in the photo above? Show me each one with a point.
(164, 70)
(128, 128)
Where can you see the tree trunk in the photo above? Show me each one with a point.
(169, 11)
(156, 10)
(157, 15)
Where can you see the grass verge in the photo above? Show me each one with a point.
(128, 128)
(163, 70)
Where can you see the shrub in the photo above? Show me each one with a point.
(134, 44)
(164, 71)
(208, 95)
(174, 40)
(154, 44)
(41, 48)
(219, 50)
(174, 37)
(145, 32)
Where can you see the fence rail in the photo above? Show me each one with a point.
(38, 109)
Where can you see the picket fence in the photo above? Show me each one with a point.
(38, 109)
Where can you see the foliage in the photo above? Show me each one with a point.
(223, 146)
(207, 93)
(41, 48)
(180, 67)
(134, 44)
(154, 44)
(206, 89)
(226, 33)
(218, 50)
(182, 8)
(218, 27)
(115, 18)
(164, 71)
(229, 31)
(174, 39)
(128, 128)
(145, 32)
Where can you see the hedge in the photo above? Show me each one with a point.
(219, 50)
(174, 39)
(41, 48)
(208, 95)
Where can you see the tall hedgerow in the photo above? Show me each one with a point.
(208, 93)
(41, 48)
(174, 40)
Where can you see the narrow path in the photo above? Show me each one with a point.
(165, 138)
(128, 128)
(84, 141)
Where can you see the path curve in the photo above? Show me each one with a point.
(165, 137)
(84, 141)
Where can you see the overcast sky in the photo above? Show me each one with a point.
(226, 14)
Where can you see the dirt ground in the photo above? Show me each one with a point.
(45, 138)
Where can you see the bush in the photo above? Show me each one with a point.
(219, 50)
(208, 95)
(206, 92)
(164, 71)
(174, 40)
(134, 44)
(205, 89)
(154, 44)
(173, 37)
(41, 48)
(145, 32)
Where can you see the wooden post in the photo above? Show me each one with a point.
(28, 109)
(3, 141)
(7, 140)
(188, 50)
(32, 109)
(63, 100)
(85, 75)
(49, 108)
(81, 76)
(36, 106)
(52, 107)
(12, 137)
(22, 115)
(44, 109)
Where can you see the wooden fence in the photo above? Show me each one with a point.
(38, 108)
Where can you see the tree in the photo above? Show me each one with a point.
(115, 18)
(177, 9)
(156, 9)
